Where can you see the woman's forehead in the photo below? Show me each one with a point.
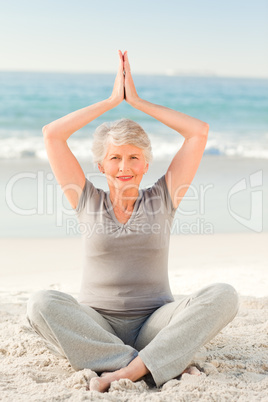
(124, 149)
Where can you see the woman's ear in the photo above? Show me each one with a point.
(100, 168)
(146, 168)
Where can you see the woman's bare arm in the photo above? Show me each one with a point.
(186, 161)
(65, 166)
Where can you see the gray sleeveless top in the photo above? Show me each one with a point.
(125, 266)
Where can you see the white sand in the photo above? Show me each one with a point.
(235, 363)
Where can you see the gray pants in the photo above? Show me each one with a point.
(165, 340)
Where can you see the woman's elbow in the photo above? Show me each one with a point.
(44, 130)
(47, 132)
(205, 129)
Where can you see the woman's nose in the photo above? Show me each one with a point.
(123, 165)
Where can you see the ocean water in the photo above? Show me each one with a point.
(236, 109)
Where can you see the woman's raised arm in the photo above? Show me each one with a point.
(64, 165)
(186, 161)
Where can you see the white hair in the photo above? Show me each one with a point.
(120, 132)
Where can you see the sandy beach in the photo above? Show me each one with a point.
(208, 62)
(234, 364)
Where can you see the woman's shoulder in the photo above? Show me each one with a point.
(90, 194)
(157, 187)
(159, 191)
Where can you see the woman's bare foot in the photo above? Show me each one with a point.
(100, 384)
(135, 370)
(192, 370)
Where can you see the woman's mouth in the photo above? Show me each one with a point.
(124, 178)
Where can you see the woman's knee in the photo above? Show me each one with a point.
(226, 297)
(39, 303)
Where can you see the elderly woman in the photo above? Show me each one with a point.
(126, 323)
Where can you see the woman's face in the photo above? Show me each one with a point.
(124, 166)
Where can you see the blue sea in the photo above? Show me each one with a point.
(235, 108)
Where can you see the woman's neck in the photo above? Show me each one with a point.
(123, 200)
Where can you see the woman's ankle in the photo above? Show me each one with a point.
(135, 370)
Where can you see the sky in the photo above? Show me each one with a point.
(221, 37)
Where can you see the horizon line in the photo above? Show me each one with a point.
(163, 74)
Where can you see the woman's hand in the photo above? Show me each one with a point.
(131, 95)
(118, 91)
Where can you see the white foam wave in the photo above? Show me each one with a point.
(33, 147)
